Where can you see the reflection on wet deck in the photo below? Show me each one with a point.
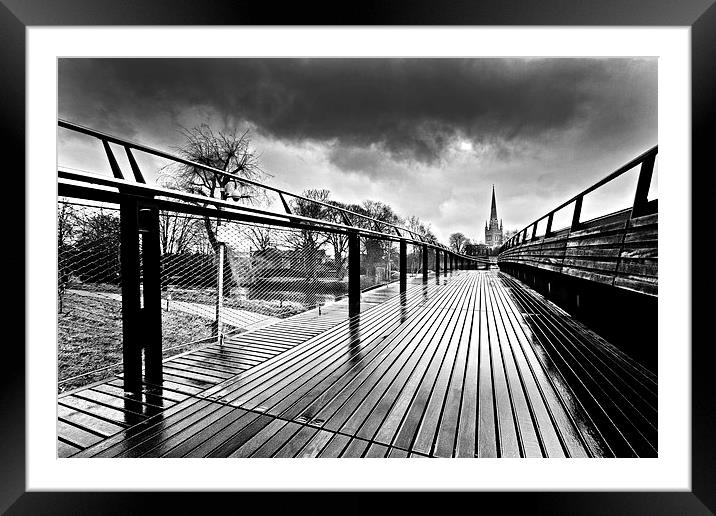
(471, 364)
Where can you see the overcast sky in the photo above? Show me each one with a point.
(427, 136)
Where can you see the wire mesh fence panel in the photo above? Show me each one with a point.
(379, 262)
(218, 277)
(277, 273)
(414, 260)
(267, 273)
(89, 300)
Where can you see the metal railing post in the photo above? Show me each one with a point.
(445, 263)
(353, 274)
(403, 265)
(425, 263)
(437, 262)
(152, 293)
(131, 303)
(642, 187)
(220, 294)
(577, 213)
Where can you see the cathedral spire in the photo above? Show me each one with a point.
(493, 210)
(493, 230)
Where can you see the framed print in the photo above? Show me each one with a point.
(283, 241)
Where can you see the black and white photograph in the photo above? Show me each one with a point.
(354, 257)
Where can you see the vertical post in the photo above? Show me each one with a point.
(548, 230)
(445, 263)
(152, 291)
(425, 263)
(437, 262)
(534, 230)
(642, 187)
(353, 274)
(131, 304)
(577, 213)
(403, 265)
(220, 276)
(220, 293)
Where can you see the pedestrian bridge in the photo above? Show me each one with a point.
(418, 351)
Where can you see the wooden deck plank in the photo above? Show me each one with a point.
(447, 436)
(632, 382)
(487, 443)
(335, 381)
(614, 412)
(78, 437)
(557, 432)
(426, 323)
(65, 449)
(111, 414)
(335, 446)
(404, 415)
(525, 425)
(381, 399)
(506, 430)
(88, 421)
(365, 383)
(425, 437)
(469, 364)
(275, 442)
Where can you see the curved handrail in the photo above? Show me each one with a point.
(162, 154)
(646, 159)
(139, 186)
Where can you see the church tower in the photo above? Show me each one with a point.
(493, 230)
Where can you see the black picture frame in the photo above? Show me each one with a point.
(700, 15)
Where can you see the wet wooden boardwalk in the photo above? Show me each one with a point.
(93, 413)
(474, 364)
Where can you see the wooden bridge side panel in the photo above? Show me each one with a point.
(552, 252)
(638, 262)
(615, 251)
(592, 253)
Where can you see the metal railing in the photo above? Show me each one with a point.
(641, 205)
(152, 268)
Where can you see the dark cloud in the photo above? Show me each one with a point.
(405, 109)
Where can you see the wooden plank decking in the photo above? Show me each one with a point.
(95, 412)
(474, 364)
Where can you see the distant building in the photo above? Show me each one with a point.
(493, 230)
(476, 249)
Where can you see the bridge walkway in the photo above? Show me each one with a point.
(94, 412)
(472, 364)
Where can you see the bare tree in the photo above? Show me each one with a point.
(178, 233)
(261, 237)
(228, 151)
(458, 241)
(308, 242)
(339, 241)
(417, 226)
(378, 250)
